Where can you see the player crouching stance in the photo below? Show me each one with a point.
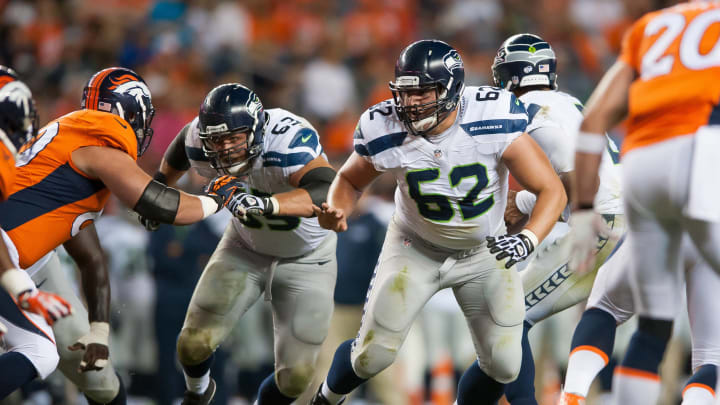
(272, 245)
(450, 150)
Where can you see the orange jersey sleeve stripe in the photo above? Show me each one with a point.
(61, 187)
(633, 372)
(698, 385)
(594, 350)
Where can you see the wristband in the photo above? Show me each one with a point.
(99, 333)
(16, 282)
(275, 205)
(530, 235)
(209, 205)
(588, 142)
(525, 201)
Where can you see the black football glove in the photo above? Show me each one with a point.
(517, 247)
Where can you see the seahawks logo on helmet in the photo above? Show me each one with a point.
(452, 61)
(254, 105)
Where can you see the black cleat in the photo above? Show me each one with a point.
(319, 398)
(193, 398)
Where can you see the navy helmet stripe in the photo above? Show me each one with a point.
(196, 154)
(278, 159)
(381, 144)
(61, 187)
(490, 127)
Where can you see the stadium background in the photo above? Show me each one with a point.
(328, 61)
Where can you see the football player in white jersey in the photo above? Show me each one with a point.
(271, 246)
(450, 149)
(526, 65)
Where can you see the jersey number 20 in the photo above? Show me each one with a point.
(656, 62)
(437, 207)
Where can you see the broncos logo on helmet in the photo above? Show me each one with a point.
(18, 115)
(124, 93)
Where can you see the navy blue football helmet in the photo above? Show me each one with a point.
(18, 114)
(122, 92)
(428, 65)
(231, 109)
(524, 60)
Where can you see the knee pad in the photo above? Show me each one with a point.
(100, 386)
(100, 394)
(372, 359)
(43, 356)
(311, 320)
(293, 381)
(193, 346)
(504, 366)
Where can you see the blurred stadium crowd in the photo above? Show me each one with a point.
(326, 60)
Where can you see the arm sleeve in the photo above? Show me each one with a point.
(175, 154)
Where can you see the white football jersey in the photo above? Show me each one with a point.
(452, 189)
(289, 143)
(555, 118)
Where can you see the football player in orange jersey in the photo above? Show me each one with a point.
(18, 122)
(63, 180)
(665, 83)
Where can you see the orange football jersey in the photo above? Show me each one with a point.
(51, 200)
(675, 53)
(7, 171)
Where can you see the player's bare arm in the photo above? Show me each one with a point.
(531, 168)
(607, 106)
(356, 174)
(88, 255)
(313, 182)
(129, 183)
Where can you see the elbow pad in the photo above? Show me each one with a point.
(159, 203)
(317, 183)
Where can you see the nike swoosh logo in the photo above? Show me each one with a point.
(306, 138)
(40, 283)
(121, 124)
(323, 263)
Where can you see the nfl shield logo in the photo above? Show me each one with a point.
(438, 153)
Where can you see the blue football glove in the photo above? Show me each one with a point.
(517, 247)
(223, 188)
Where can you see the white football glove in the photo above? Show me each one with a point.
(586, 228)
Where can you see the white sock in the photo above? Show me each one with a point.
(697, 394)
(197, 385)
(332, 397)
(584, 364)
(632, 386)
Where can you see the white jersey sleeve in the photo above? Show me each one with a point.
(377, 134)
